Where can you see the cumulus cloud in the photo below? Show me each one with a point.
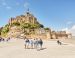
(70, 30)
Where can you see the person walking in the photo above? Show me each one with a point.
(31, 43)
(27, 43)
(35, 43)
(40, 43)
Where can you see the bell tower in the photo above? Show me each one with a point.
(28, 12)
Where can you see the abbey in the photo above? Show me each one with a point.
(27, 18)
(40, 32)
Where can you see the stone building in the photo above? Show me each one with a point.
(53, 35)
(39, 32)
(61, 34)
(27, 18)
(48, 34)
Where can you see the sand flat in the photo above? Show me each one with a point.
(51, 49)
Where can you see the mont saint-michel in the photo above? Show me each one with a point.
(27, 26)
(37, 28)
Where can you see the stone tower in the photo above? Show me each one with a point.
(48, 34)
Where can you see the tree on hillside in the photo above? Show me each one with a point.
(28, 26)
(1, 30)
(16, 24)
(41, 26)
(47, 29)
(5, 29)
(25, 26)
(34, 26)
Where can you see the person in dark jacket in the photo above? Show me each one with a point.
(26, 43)
(40, 43)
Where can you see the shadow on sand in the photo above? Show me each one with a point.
(37, 49)
(64, 44)
(41, 49)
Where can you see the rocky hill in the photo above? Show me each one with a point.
(28, 26)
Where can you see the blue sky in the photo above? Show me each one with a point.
(56, 14)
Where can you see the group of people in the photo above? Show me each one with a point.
(33, 43)
(3, 39)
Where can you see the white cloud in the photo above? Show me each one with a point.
(73, 27)
(73, 30)
(26, 4)
(66, 29)
(69, 22)
(4, 3)
(8, 7)
(70, 30)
